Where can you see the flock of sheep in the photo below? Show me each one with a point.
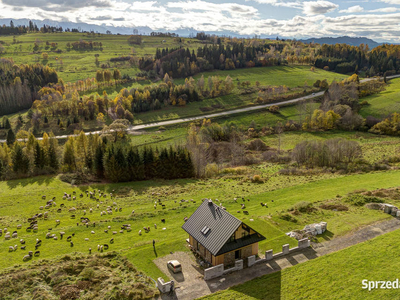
(84, 220)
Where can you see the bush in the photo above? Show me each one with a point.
(360, 200)
(257, 179)
(273, 109)
(211, 170)
(288, 217)
(302, 206)
(257, 145)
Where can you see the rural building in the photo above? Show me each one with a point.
(218, 237)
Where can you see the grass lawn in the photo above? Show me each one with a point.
(20, 199)
(335, 276)
(384, 103)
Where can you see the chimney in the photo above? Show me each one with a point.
(210, 202)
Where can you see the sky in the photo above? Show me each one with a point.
(375, 19)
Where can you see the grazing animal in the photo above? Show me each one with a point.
(15, 235)
(86, 239)
(27, 257)
(69, 238)
(19, 226)
(90, 250)
(22, 241)
(114, 232)
(101, 248)
(163, 220)
(106, 230)
(105, 247)
(37, 253)
(10, 248)
(98, 247)
(23, 247)
(109, 227)
(72, 244)
(155, 226)
(140, 232)
(112, 241)
(92, 232)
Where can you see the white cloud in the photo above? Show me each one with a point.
(352, 9)
(396, 2)
(385, 10)
(318, 7)
(201, 15)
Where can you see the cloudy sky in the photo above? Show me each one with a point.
(376, 19)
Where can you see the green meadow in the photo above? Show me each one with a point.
(21, 199)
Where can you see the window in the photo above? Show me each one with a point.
(205, 230)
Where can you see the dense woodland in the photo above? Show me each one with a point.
(101, 157)
(19, 84)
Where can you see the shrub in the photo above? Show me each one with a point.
(302, 206)
(288, 217)
(273, 108)
(257, 145)
(360, 200)
(257, 179)
(211, 170)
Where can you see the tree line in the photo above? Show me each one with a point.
(92, 155)
(19, 84)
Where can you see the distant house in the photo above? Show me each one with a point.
(219, 237)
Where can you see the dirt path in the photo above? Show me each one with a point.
(197, 287)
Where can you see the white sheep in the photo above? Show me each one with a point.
(92, 232)
(140, 232)
(87, 239)
(91, 210)
(19, 226)
(11, 248)
(15, 235)
(55, 238)
(109, 227)
(155, 226)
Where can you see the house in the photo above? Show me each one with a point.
(219, 237)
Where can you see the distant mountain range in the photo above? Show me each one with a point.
(187, 31)
(353, 41)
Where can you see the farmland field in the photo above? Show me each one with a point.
(78, 65)
(384, 103)
(21, 199)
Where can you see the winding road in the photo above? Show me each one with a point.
(209, 116)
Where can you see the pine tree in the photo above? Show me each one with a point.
(39, 159)
(98, 161)
(20, 160)
(52, 158)
(10, 137)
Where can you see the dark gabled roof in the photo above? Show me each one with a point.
(242, 242)
(221, 226)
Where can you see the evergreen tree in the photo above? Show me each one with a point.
(39, 157)
(10, 137)
(20, 160)
(98, 161)
(52, 158)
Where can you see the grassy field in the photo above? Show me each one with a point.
(291, 76)
(77, 65)
(335, 276)
(20, 199)
(384, 103)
